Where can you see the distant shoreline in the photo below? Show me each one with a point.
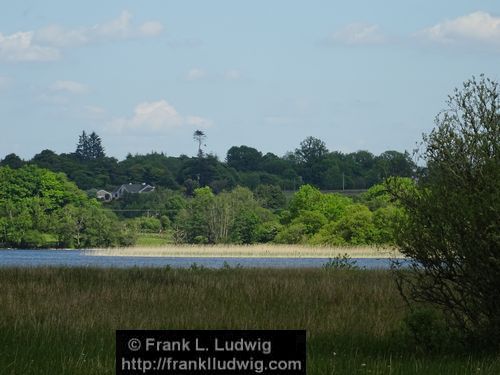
(248, 251)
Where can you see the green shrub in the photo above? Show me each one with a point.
(340, 262)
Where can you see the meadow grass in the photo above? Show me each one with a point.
(250, 251)
(152, 240)
(63, 320)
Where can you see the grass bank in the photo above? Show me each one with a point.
(62, 321)
(249, 251)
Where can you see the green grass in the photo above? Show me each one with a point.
(63, 321)
(152, 239)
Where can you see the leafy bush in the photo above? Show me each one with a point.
(340, 262)
(452, 215)
(427, 330)
(292, 234)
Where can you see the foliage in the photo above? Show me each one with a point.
(311, 216)
(427, 330)
(311, 163)
(148, 224)
(311, 220)
(244, 158)
(40, 208)
(199, 137)
(270, 196)
(335, 220)
(89, 146)
(267, 231)
(452, 215)
(340, 262)
(309, 198)
(227, 217)
(292, 234)
(13, 161)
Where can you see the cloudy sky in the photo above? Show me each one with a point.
(146, 74)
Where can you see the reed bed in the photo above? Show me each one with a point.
(249, 251)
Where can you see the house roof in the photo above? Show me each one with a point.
(135, 188)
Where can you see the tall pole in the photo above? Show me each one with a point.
(343, 181)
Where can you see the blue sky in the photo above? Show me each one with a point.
(146, 74)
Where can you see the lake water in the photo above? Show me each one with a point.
(79, 258)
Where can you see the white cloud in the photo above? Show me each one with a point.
(232, 74)
(20, 46)
(359, 33)
(155, 118)
(71, 87)
(55, 35)
(93, 113)
(118, 28)
(151, 28)
(475, 27)
(195, 74)
(199, 122)
(45, 44)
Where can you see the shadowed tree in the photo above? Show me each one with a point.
(311, 159)
(89, 147)
(13, 161)
(451, 230)
(244, 158)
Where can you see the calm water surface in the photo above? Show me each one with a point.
(78, 258)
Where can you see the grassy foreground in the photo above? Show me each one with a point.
(62, 321)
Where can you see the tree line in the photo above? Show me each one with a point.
(41, 208)
(311, 163)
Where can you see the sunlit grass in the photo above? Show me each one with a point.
(153, 240)
(250, 251)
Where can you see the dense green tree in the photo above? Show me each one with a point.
(270, 196)
(310, 198)
(354, 227)
(192, 221)
(244, 158)
(452, 221)
(89, 147)
(394, 163)
(227, 217)
(311, 160)
(153, 168)
(311, 151)
(13, 161)
(292, 234)
(313, 221)
(207, 171)
(37, 204)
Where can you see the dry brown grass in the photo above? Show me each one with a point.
(249, 251)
